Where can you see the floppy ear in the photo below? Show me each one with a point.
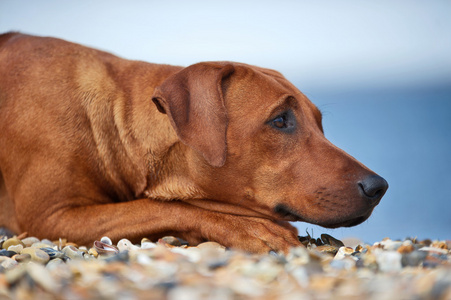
(193, 101)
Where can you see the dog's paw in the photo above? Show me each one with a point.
(251, 234)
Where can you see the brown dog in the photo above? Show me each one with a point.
(92, 145)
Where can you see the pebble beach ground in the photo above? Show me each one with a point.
(169, 269)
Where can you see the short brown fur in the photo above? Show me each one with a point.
(85, 152)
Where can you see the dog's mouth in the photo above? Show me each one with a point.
(288, 214)
(347, 223)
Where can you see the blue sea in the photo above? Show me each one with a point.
(404, 135)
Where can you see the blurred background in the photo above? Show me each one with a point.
(380, 71)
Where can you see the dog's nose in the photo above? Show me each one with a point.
(373, 187)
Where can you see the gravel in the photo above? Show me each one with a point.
(323, 268)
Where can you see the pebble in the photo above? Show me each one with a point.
(29, 241)
(72, 252)
(172, 240)
(16, 248)
(7, 253)
(126, 245)
(8, 263)
(11, 242)
(385, 270)
(37, 255)
(22, 257)
(389, 261)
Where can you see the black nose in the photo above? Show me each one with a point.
(373, 187)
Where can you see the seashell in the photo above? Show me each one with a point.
(329, 240)
(329, 249)
(103, 248)
(53, 253)
(126, 245)
(106, 240)
(12, 242)
(7, 253)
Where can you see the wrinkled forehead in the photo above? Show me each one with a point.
(258, 91)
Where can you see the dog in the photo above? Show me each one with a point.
(95, 145)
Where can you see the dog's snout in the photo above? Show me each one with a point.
(373, 187)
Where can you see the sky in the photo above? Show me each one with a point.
(379, 70)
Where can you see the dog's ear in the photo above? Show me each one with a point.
(193, 100)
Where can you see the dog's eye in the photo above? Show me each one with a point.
(285, 122)
(279, 122)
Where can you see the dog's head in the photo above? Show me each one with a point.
(258, 147)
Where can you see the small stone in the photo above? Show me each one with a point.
(93, 252)
(53, 253)
(211, 245)
(343, 264)
(171, 240)
(37, 255)
(344, 252)
(54, 263)
(126, 245)
(7, 253)
(71, 244)
(40, 245)
(49, 243)
(12, 242)
(8, 263)
(72, 252)
(29, 241)
(434, 250)
(406, 249)
(40, 275)
(327, 249)
(389, 261)
(15, 274)
(22, 258)
(440, 245)
(16, 248)
(414, 258)
(390, 245)
(147, 244)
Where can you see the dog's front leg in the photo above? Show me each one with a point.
(154, 219)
